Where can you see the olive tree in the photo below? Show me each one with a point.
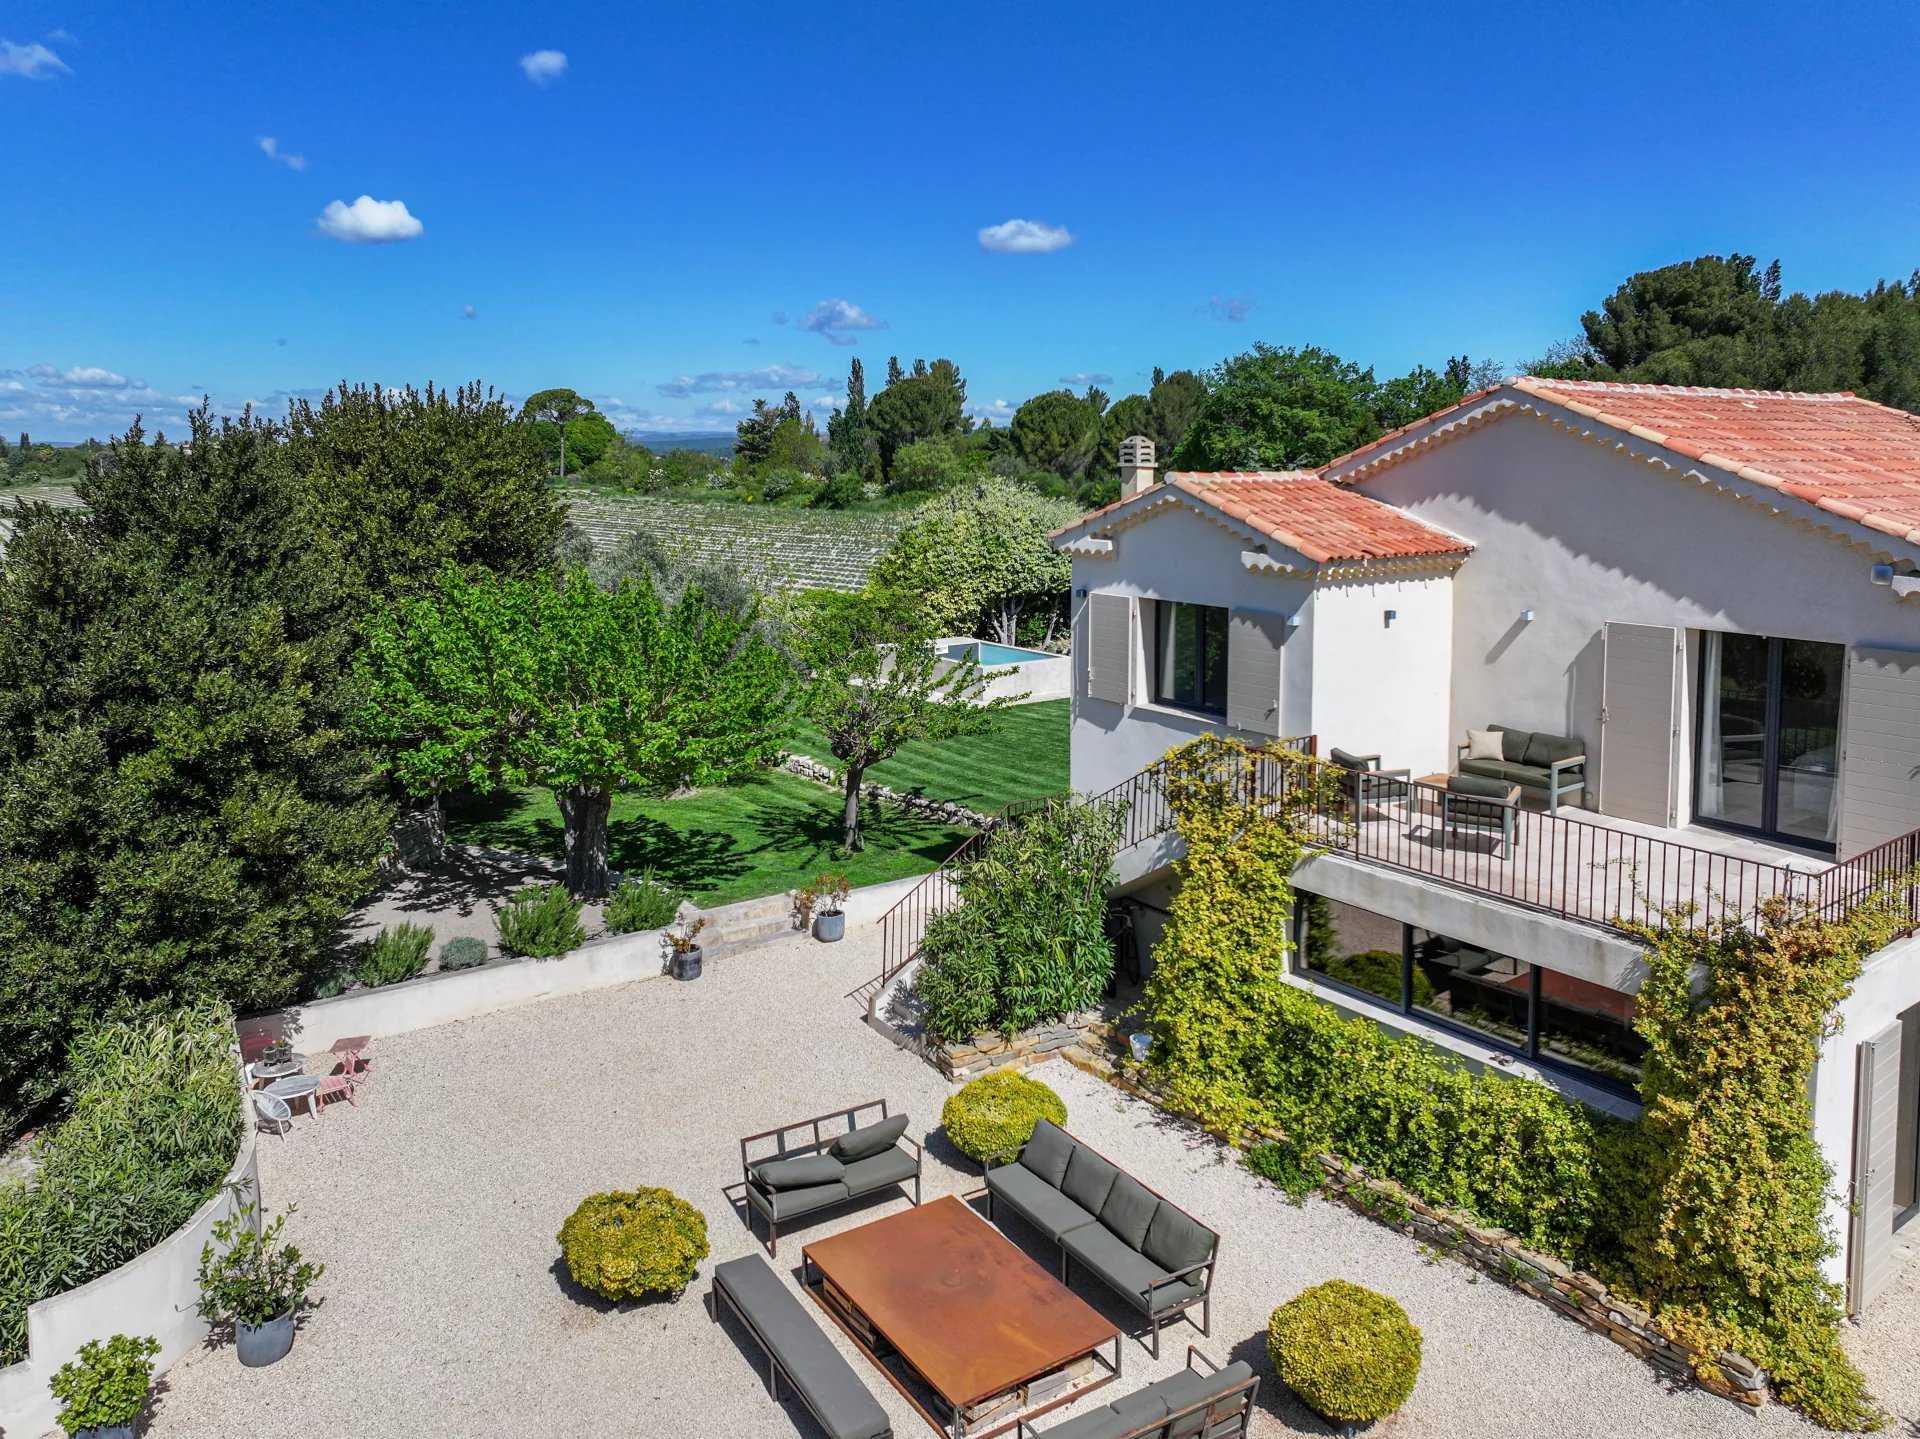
(495, 683)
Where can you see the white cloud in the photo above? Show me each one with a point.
(63, 37)
(835, 321)
(1000, 412)
(31, 62)
(368, 221)
(722, 382)
(825, 402)
(543, 67)
(270, 147)
(1084, 378)
(467, 312)
(1025, 237)
(721, 409)
(1231, 308)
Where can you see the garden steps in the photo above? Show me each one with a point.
(732, 928)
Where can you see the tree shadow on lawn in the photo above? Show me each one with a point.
(695, 860)
(817, 831)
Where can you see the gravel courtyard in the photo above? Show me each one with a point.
(435, 1205)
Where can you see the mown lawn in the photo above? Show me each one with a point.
(720, 845)
(1024, 756)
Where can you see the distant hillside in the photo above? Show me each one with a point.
(784, 549)
(706, 443)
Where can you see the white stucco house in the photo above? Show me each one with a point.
(1671, 629)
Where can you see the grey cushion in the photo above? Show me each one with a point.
(869, 1139)
(877, 1171)
(1037, 1201)
(1345, 760)
(1095, 1424)
(1143, 1406)
(1501, 770)
(1475, 786)
(1129, 1210)
(1547, 749)
(1125, 1271)
(1048, 1151)
(1191, 1386)
(1176, 1240)
(833, 1391)
(801, 1173)
(1513, 743)
(786, 1203)
(1089, 1178)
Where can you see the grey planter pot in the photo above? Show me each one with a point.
(686, 963)
(105, 1431)
(259, 1345)
(830, 927)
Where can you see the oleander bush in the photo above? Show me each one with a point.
(106, 1384)
(1350, 1354)
(1027, 944)
(996, 1113)
(629, 1244)
(154, 1125)
(539, 921)
(398, 952)
(640, 904)
(463, 952)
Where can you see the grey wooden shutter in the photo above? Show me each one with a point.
(1880, 749)
(1110, 648)
(1254, 640)
(1876, 1127)
(1638, 700)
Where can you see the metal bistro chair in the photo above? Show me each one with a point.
(271, 1109)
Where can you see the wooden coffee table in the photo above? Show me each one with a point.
(992, 1334)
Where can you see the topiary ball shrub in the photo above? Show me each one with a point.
(996, 1113)
(626, 1245)
(1350, 1354)
(465, 952)
(539, 921)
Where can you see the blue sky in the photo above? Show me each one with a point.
(657, 221)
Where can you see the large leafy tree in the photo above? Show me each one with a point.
(1280, 409)
(184, 810)
(400, 484)
(495, 683)
(976, 560)
(550, 412)
(1175, 401)
(928, 403)
(875, 682)
(1058, 430)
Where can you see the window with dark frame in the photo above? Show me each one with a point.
(1190, 656)
(1556, 1020)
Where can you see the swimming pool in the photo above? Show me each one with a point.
(985, 652)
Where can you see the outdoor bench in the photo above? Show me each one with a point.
(796, 1347)
(1550, 762)
(1210, 1403)
(1148, 1250)
(829, 1160)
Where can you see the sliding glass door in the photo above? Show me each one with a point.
(1769, 738)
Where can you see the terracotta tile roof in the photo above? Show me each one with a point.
(1322, 520)
(1851, 457)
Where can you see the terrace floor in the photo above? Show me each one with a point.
(1582, 864)
(435, 1204)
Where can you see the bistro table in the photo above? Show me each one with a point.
(280, 1069)
(299, 1086)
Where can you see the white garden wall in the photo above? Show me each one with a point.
(154, 1294)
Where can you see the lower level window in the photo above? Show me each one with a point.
(1507, 1003)
(1190, 659)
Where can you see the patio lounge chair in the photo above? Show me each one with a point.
(1148, 1250)
(271, 1109)
(1209, 1403)
(1364, 778)
(817, 1164)
(1476, 805)
(795, 1347)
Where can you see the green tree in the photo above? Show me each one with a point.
(753, 436)
(847, 426)
(1708, 321)
(927, 404)
(496, 683)
(1176, 401)
(588, 437)
(400, 484)
(1280, 409)
(976, 560)
(926, 465)
(1058, 431)
(184, 811)
(874, 683)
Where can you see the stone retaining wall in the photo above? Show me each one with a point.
(943, 810)
(1579, 1296)
(991, 1051)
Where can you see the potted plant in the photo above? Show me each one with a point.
(804, 899)
(682, 937)
(104, 1388)
(256, 1283)
(830, 918)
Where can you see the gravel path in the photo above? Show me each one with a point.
(435, 1204)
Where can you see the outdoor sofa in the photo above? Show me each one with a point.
(1196, 1403)
(1148, 1250)
(1553, 763)
(820, 1163)
(795, 1347)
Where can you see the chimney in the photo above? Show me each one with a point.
(1136, 466)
